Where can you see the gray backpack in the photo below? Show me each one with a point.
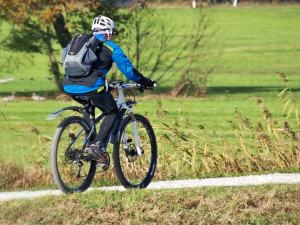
(78, 56)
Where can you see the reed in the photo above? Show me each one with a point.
(267, 144)
(13, 176)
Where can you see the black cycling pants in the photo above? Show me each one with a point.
(107, 104)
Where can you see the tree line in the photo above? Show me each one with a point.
(222, 1)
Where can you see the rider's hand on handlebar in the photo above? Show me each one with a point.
(150, 84)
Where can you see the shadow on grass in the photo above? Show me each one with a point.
(246, 89)
(49, 94)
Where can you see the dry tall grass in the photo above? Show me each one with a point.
(33, 171)
(259, 146)
(14, 177)
(275, 204)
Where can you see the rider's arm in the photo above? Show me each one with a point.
(125, 66)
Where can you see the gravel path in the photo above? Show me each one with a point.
(277, 178)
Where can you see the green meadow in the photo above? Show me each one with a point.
(254, 43)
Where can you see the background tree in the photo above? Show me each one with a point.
(39, 24)
(149, 43)
(201, 59)
(158, 52)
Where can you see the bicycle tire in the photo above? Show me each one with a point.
(132, 173)
(63, 177)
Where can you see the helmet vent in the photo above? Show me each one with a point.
(104, 23)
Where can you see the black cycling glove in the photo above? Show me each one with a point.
(146, 82)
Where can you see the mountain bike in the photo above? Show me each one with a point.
(132, 136)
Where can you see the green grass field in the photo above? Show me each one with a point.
(255, 43)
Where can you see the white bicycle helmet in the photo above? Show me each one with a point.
(103, 23)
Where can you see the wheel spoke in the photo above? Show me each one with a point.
(70, 170)
(133, 170)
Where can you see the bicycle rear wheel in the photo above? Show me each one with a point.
(135, 171)
(71, 172)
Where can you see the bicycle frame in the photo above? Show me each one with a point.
(123, 106)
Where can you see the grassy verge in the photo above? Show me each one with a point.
(267, 204)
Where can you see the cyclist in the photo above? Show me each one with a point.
(94, 86)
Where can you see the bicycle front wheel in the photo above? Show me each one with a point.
(71, 172)
(133, 170)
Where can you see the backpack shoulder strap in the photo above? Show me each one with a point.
(102, 40)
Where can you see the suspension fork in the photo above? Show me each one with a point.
(135, 132)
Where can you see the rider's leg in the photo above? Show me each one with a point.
(107, 104)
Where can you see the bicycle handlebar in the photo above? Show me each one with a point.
(114, 84)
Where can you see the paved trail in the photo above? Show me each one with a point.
(284, 178)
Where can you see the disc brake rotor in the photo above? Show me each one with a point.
(131, 153)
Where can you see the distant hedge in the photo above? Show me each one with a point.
(226, 1)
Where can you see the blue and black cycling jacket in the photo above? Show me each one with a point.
(107, 53)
